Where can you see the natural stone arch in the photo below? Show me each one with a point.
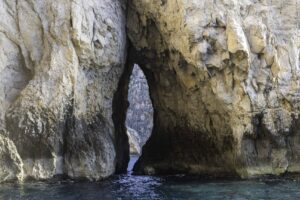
(223, 75)
(214, 70)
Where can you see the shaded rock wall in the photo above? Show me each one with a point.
(60, 64)
(224, 79)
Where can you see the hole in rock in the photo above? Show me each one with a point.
(139, 118)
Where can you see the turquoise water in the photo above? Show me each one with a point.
(148, 187)
(143, 187)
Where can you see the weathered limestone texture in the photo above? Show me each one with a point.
(224, 79)
(134, 141)
(11, 163)
(60, 63)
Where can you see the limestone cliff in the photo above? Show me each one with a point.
(224, 79)
(60, 64)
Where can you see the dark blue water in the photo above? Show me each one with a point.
(147, 187)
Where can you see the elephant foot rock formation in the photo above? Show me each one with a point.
(223, 79)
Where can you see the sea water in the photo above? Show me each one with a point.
(152, 187)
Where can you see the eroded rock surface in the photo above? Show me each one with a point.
(224, 79)
(11, 163)
(134, 141)
(60, 64)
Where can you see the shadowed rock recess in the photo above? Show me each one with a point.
(224, 80)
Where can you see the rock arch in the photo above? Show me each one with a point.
(223, 79)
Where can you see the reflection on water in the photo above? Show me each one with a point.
(144, 187)
(148, 187)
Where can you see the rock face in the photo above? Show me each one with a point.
(140, 112)
(11, 163)
(134, 141)
(224, 79)
(60, 64)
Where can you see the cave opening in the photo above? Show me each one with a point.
(139, 116)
